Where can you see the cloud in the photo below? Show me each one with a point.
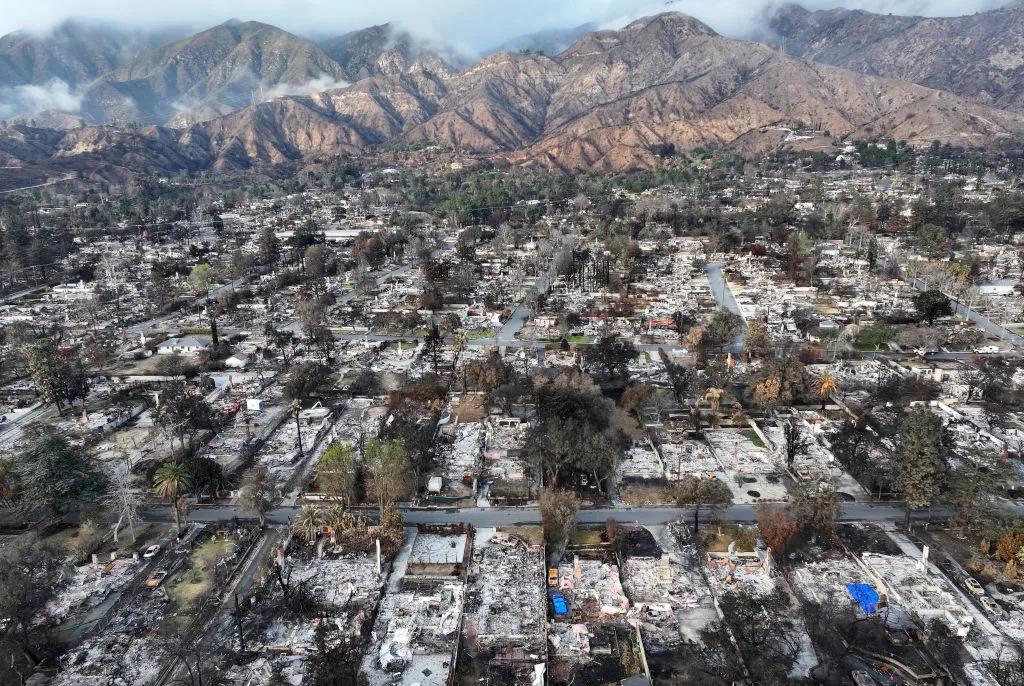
(471, 25)
(746, 18)
(323, 83)
(29, 99)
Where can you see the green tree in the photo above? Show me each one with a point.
(876, 335)
(184, 414)
(570, 410)
(58, 376)
(971, 489)
(304, 380)
(917, 472)
(817, 509)
(433, 345)
(386, 465)
(337, 472)
(54, 475)
(10, 491)
(611, 354)
(305, 235)
(931, 304)
(872, 253)
(269, 245)
(202, 276)
(722, 328)
(258, 494)
(933, 240)
(34, 572)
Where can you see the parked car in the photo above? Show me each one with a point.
(156, 578)
(990, 606)
(972, 585)
(151, 551)
(560, 606)
(987, 350)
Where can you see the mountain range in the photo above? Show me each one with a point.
(979, 56)
(247, 94)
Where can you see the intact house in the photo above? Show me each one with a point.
(186, 345)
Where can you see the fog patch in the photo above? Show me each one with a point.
(31, 98)
(317, 85)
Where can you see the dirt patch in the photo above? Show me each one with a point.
(867, 538)
(635, 494)
(471, 408)
(639, 542)
(531, 535)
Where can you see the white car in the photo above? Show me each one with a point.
(151, 551)
(973, 586)
(987, 350)
(990, 606)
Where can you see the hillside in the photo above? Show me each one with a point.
(210, 74)
(382, 51)
(604, 103)
(979, 56)
(73, 52)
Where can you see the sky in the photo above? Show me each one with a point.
(472, 26)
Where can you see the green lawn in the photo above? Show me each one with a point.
(477, 335)
(585, 537)
(720, 536)
(753, 437)
(197, 582)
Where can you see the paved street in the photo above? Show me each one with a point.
(723, 296)
(508, 516)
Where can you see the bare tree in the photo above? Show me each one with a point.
(122, 497)
(794, 442)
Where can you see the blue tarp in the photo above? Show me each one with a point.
(559, 602)
(865, 595)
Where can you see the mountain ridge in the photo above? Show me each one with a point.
(979, 56)
(606, 103)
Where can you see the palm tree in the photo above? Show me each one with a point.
(308, 525)
(335, 519)
(170, 481)
(825, 385)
